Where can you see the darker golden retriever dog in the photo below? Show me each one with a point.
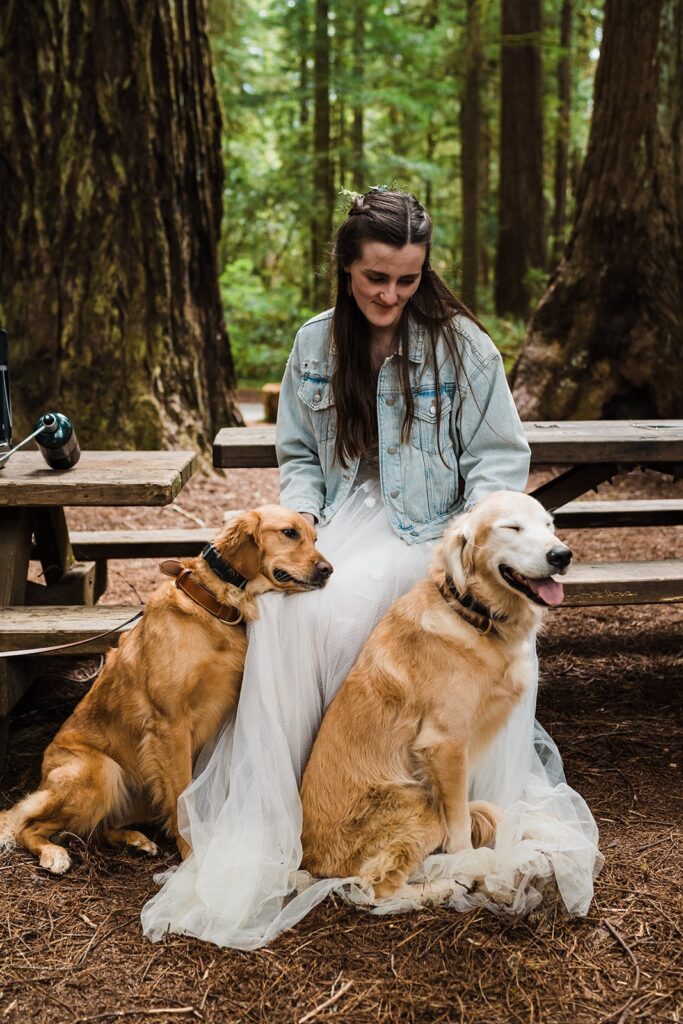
(127, 751)
(387, 781)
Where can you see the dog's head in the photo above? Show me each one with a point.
(275, 545)
(506, 547)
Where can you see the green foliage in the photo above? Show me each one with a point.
(263, 320)
(407, 79)
(508, 335)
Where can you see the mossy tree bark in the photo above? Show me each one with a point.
(110, 209)
(606, 339)
(323, 171)
(521, 231)
(470, 133)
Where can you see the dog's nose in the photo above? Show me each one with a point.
(324, 569)
(559, 557)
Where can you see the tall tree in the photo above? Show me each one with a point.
(358, 97)
(562, 131)
(470, 128)
(110, 211)
(606, 339)
(521, 239)
(323, 180)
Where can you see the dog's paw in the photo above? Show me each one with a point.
(140, 842)
(55, 859)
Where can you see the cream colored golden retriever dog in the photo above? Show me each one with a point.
(127, 751)
(386, 783)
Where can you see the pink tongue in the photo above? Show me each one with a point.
(549, 590)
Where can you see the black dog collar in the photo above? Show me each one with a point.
(222, 569)
(469, 604)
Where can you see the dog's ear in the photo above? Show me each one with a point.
(456, 551)
(239, 543)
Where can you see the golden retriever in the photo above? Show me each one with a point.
(127, 751)
(387, 781)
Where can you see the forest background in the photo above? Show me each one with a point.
(171, 173)
(395, 93)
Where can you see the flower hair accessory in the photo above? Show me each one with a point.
(358, 206)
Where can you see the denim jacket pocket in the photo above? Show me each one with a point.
(316, 394)
(426, 434)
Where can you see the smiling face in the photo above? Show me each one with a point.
(383, 278)
(508, 538)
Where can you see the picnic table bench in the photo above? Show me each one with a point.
(33, 525)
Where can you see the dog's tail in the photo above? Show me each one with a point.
(8, 829)
(485, 818)
(33, 806)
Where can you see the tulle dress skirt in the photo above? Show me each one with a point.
(242, 883)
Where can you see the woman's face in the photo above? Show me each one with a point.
(383, 278)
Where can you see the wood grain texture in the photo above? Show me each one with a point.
(111, 189)
(99, 478)
(570, 442)
(23, 627)
(606, 583)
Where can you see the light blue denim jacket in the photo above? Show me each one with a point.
(483, 450)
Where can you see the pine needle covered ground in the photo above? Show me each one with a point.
(71, 949)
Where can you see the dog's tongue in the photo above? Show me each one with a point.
(548, 589)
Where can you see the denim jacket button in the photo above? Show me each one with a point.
(414, 533)
(392, 449)
(394, 494)
(316, 397)
(390, 401)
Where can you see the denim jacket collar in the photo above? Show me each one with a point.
(416, 337)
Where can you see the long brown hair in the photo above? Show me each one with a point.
(396, 219)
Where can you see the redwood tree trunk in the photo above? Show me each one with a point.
(607, 337)
(521, 237)
(110, 209)
(470, 120)
(358, 98)
(562, 133)
(323, 181)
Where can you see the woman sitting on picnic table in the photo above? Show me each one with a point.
(394, 415)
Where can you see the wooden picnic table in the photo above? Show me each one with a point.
(33, 524)
(593, 450)
(587, 453)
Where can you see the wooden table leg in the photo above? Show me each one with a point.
(67, 581)
(575, 482)
(15, 549)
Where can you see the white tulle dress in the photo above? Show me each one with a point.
(242, 884)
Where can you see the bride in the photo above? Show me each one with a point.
(394, 416)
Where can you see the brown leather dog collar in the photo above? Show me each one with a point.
(197, 592)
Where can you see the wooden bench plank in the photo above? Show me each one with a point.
(25, 627)
(584, 514)
(605, 583)
(98, 544)
(179, 543)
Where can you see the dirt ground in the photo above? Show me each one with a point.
(71, 950)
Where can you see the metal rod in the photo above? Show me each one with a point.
(6, 455)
